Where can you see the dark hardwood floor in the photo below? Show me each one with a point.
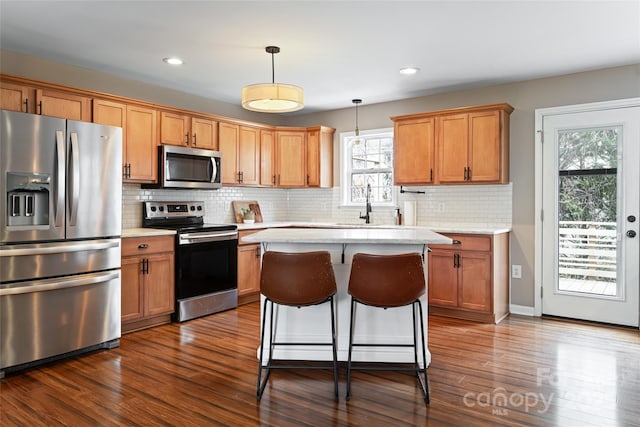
(524, 371)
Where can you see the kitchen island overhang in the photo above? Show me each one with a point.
(374, 325)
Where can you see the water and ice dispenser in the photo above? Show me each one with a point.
(28, 196)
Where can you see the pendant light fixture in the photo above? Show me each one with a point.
(272, 97)
(357, 138)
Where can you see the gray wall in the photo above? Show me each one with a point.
(525, 97)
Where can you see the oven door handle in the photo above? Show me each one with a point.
(188, 238)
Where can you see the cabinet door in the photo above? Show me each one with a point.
(228, 137)
(159, 285)
(290, 159)
(63, 105)
(16, 97)
(484, 151)
(111, 114)
(414, 148)
(248, 269)
(443, 279)
(175, 129)
(131, 289)
(267, 158)
(204, 133)
(474, 289)
(453, 147)
(141, 149)
(313, 158)
(249, 156)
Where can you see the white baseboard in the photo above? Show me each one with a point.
(522, 310)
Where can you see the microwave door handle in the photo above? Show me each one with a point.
(213, 169)
(59, 202)
(75, 179)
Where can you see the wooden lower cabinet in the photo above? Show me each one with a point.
(249, 266)
(469, 279)
(147, 281)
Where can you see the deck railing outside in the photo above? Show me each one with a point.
(587, 259)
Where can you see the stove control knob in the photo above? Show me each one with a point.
(199, 207)
(161, 208)
(192, 208)
(153, 208)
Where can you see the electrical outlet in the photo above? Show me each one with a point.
(440, 207)
(516, 271)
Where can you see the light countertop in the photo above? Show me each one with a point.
(146, 232)
(389, 236)
(450, 228)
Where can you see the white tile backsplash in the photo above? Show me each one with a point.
(479, 205)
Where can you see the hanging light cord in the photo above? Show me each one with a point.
(356, 102)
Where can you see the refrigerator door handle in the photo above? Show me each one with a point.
(57, 284)
(59, 203)
(75, 179)
(31, 249)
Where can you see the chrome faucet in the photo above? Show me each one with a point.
(367, 216)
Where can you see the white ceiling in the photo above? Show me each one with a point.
(335, 50)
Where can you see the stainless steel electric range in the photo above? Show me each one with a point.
(206, 258)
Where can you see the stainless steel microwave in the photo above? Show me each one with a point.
(185, 167)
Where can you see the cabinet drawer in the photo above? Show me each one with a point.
(147, 245)
(468, 242)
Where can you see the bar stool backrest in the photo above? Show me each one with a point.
(387, 280)
(297, 279)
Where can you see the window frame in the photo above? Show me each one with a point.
(345, 166)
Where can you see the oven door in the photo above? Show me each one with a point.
(206, 263)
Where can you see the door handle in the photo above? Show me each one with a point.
(75, 179)
(631, 234)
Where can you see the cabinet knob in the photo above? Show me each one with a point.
(143, 246)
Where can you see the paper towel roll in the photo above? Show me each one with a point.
(409, 214)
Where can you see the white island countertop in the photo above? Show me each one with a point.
(398, 235)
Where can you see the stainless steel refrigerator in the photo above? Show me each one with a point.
(60, 225)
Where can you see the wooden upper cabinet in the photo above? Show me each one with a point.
(413, 151)
(139, 153)
(290, 159)
(204, 133)
(62, 104)
(188, 131)
(459, 146)
(453, 148)
(267, 158)
(16, 97)
(249, 156)
(175, 129)
(142, 140)
(320, 157)
(228, 137)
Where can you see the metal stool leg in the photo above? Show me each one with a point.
(335, 349)
(351, 327)
(263, 383)
(424, 383)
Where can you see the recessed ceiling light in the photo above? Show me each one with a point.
(409, 70)
(173, 61)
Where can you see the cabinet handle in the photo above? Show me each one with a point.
(430, 174)
(143, 246)
(273, 180)
(468, 174)
(186, 139)
(456, 242)
(40, 107)
(145, 265)
(240, 176)
(465, 173)
(258, 252)
(308, 180)
(194, 140)
(26, 105)
(456, 261)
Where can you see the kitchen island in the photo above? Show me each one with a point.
(374, 324)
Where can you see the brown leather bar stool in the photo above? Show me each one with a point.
(388, 281)
(297, 280)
